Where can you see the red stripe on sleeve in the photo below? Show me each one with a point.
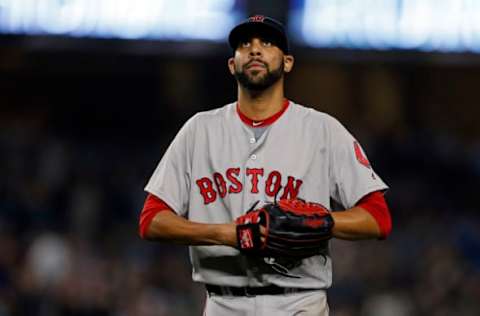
(375, 204)
(152, 206)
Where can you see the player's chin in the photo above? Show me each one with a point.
(256, 72)
(256, 75)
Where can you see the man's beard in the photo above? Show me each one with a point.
(261, 83)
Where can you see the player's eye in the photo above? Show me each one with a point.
(245, 44)
(267, 44)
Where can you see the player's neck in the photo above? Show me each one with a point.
(260, 105)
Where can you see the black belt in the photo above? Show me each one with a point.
(252, 291)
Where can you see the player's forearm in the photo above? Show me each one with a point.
(354, 224)
(169, 227)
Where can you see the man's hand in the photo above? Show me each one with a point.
(289, 228)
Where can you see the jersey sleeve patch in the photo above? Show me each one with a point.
(362, 159)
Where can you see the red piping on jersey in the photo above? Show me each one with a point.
(375, 204)
(152, 206)
(265, 122)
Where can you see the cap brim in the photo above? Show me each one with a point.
(246, 30)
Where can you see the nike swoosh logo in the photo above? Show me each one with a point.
(256, 123)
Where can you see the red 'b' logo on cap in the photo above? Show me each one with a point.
(257, 18)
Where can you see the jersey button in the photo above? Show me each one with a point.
(252, 140)
(253, 157)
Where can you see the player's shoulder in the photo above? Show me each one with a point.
(207, 119)
(311, 115)
(216, 114)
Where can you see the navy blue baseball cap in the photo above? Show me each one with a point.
(262, 26)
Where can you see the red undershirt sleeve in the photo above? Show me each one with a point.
(152, 206)
(375, 204)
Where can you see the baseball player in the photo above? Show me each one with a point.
(248, 186)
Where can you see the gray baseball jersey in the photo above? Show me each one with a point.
(218, 166)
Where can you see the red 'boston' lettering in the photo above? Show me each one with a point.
(254, 172)
(206, 190)
(272, 185)
(221, 184)
(232, 174)
(291, 189)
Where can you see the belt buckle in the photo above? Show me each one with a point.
(290, 290)
(226, 290)
(247, 293)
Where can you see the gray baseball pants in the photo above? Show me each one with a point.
(308, 303)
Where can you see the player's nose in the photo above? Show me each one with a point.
(255, 47)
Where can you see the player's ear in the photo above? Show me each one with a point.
(288, 62)
(231, 65)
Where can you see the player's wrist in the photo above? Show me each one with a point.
(227, 234)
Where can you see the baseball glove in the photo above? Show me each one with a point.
(291, 228)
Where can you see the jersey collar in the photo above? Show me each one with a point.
(265, 122)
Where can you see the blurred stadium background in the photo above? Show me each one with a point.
(92, 92)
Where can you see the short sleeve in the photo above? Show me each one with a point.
(171, 179)
(351, 174)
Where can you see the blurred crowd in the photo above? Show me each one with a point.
(68, 223)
